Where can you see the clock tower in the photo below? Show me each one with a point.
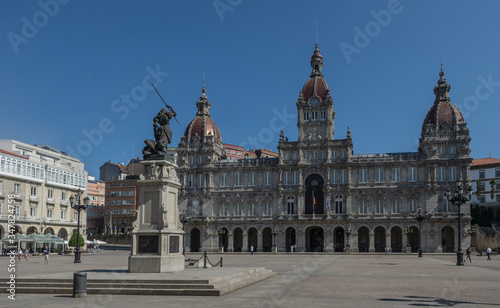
(315, 105)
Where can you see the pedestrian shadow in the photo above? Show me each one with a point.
(424, 301)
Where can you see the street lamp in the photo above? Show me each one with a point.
(472, 231)
(221, 232)
(184, 218)
(348, 234)
(419, 216)
(274, 232)
(459, 197)
(77, 206)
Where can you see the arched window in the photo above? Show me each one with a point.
(290, 203)
(338, 204)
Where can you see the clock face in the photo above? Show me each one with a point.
(314, 102)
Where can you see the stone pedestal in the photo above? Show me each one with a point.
(157, 236)
(408, 250)
(221, 249)
(275, 249)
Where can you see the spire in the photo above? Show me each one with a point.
(442, 90)
(316, 62)
(203, 104)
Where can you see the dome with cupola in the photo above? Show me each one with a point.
(443, 115)
(316, 86)
(202, 128)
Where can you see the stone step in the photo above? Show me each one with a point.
(215, 286)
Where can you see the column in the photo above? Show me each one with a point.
(260, 243)
(301, 241)
(230, 242)
(372, 242)
(388, 243)
(245, 242)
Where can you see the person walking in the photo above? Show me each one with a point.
(26, 253)
(251, 249)
(386, 250)
(488, 253)
(46, 253)
(467, 254)
(19, 253)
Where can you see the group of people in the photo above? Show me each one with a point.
(468, 253)
(26, 252)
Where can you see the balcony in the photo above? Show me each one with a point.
(64, 202)
(34, 198)
(51, 201)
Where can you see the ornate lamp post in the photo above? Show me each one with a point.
(184, 218)
(419, 216)
(459, 197)
(78, 207)
(275, 232)
(221, 232)
(348, 245)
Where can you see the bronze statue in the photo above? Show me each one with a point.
(162, 132)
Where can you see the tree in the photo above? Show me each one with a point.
(72, 241)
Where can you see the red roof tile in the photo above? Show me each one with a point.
(485, 161)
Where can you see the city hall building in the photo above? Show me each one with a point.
(318, 196)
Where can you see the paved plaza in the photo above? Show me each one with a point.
(303, 280)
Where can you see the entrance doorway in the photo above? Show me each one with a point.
(290, 239)
(314, 239)
(195, 240)
(363, 239)
(397, 239)
(338, 239)
(238, 240)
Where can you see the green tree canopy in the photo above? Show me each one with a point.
(72, 241)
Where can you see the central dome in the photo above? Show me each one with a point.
(202, 127)
(316, 86)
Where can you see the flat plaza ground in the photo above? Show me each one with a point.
(303, 280)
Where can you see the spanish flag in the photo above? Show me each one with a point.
(314, 199)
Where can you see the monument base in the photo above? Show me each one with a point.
(155, 264)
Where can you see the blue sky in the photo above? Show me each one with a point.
(68, 67)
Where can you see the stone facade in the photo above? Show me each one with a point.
(318, 195)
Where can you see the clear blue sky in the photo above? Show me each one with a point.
(65, 68)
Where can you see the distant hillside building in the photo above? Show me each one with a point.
(317, 195)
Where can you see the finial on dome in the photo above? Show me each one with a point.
(348, 132)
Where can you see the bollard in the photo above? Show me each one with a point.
(114, 248)
(220, 261)
(205, 259)
(79, 284)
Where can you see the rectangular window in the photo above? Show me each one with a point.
(362, 207)
(412, 206)
(446, 205)
(1, 187)
(379, 207)
(306, 116)
(63, 195)
(112, 212)
(441, 175)
(125, 202)
(395, 175)
(200, 181)
(395, 207)
(118, 202)
(223, 180)
(17, 189)
(63, 215)
(33, 191)
(497, 175)
(237, 179)
(452, 173)
(267, 178)
(481, 174)
(314, 115)
(17, 211)
(342, 154)
(49, 213)
(33, 212)
(441, 149)
(379, 175)
(483, 186)
(483, 199)
(333, 179)
(295, 178)
(251, 179)
(237, 210)
(362, 176)
(131, 193)
(118, 193)
(200, 159)
(342, 177)
(191, 160)
(497, 199)
(131, 211)
(124, 193)
(452, 149)
(412, 174)
(267, 209)
(314, 155)
(190, 180)
(322, 115)
(285, 178)
(223, 210)
(252, 209)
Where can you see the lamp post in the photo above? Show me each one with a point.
(221, 232)
(348, 245)
(419, 216)
(472, 231)
(459, 197)
(408, 233)
(184, 218)
(78, 206)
